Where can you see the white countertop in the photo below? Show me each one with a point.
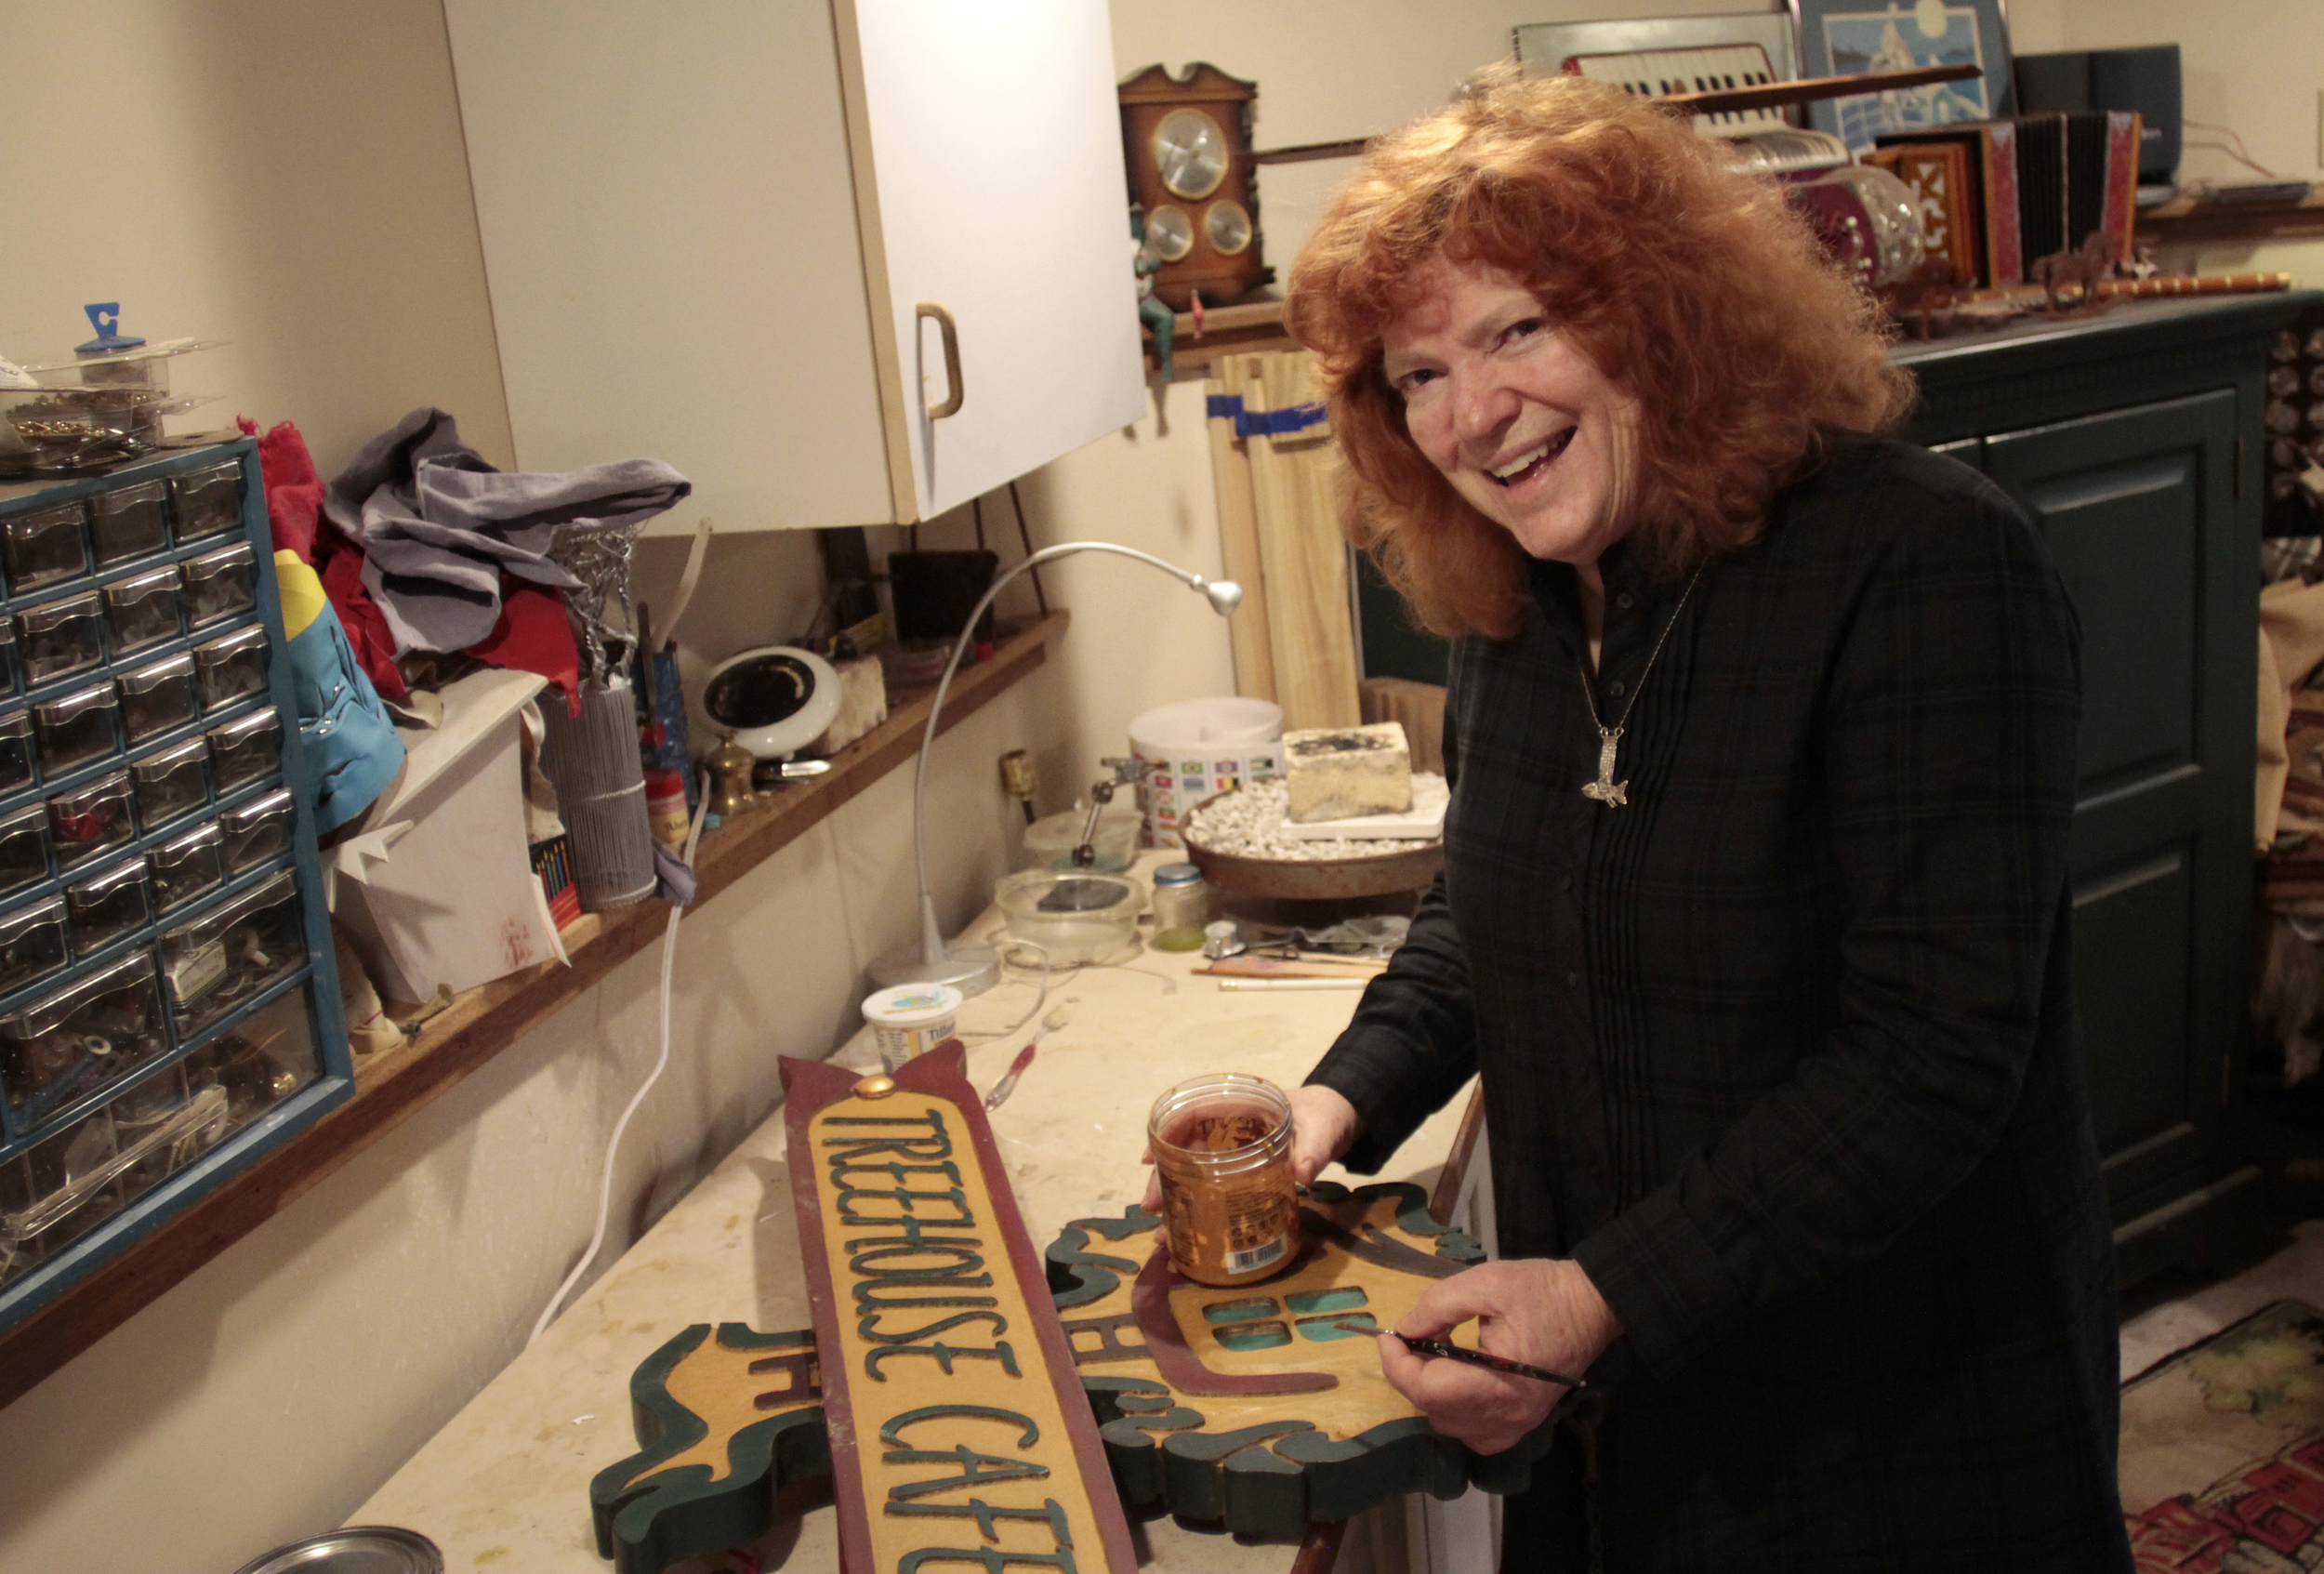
(504, 1488)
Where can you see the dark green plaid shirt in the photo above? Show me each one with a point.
(1784, 1050)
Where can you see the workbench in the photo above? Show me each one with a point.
(504, 1488)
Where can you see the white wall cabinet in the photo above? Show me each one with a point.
(709, 229)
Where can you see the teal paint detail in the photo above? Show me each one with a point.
(1325, 1329)
(1078, 1275)
(1343, 1300)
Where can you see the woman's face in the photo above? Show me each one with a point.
(1522, 422)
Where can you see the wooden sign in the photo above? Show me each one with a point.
(1937, 175)
(959, 1432)
(1241, 1407)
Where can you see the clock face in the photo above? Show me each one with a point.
(1227, 226)
(1169, 232)
(1189, 152)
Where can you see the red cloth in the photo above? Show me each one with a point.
(294, 492)
(531, 636)
(534, 636)
(366, 626)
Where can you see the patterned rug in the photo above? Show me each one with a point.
(2223, 1450)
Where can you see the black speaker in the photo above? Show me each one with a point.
(933, 592)
(2144, 79)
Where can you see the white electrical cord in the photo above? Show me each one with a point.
(605, 1181)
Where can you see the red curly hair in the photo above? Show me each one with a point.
(1690, 283)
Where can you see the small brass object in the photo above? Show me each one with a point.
(877, 1086)
(730, 766)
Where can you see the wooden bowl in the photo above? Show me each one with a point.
(1313, 879)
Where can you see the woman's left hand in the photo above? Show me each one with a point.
(1542, 1311)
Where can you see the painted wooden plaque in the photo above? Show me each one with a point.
(975, 1414)
(958, 1431)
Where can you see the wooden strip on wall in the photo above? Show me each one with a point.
(1309, 619)
(1238, 542)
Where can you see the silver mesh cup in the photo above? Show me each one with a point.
(592, 761)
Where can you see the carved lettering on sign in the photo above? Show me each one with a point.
(942, 1359)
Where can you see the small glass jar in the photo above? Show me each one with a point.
(1181, 906)
(1221, 1145)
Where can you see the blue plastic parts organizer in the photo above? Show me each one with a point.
(169, 1006)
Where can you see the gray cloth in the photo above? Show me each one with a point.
(439, 525)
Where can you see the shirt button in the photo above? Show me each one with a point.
(1614, 688)
(1626, 600)
(1573, 980)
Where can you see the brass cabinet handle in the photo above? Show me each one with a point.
(951, 332)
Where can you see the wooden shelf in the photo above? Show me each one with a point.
(395, 1084)
(2184, 219)
(1226, 330)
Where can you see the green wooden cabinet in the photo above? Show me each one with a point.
(2133, 439)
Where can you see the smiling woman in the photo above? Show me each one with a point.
(1686, 287)
(1751, 926)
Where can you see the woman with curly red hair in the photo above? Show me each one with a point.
(1754, 920)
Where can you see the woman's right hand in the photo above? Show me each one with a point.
(1324, 1126)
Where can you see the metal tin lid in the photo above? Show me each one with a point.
(358, 1549)
(1177, 874)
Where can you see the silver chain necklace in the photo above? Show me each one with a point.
(1605, 790)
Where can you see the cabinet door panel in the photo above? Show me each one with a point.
(2132, 927)
(669, 231)
(2137, 508)
(996, 154)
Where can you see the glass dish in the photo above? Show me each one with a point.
(232, 667)
(215, 961)
(186, 867)
(170, 782)
(44, 547)
(155, 698)
(221, 584)
(207, 501)
(129, 521)
(1076, 916)
(143, 610)
(91, 819)
(78, 728)
(60, 638)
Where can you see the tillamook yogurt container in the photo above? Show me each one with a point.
(911, 1019)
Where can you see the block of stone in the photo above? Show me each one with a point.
(1339, 773)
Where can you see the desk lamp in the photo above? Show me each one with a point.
(969, 968)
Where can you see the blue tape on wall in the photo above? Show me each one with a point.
(1264, 423)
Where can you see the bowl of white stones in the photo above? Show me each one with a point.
(1238, 839)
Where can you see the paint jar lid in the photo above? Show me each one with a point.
(913, 1005)
(358, 1549)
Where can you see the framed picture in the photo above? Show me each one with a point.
(1851, 37)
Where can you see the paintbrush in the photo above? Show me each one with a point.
(1007, 1084)
(1448, 1349)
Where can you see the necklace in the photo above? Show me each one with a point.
(1605, 790)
